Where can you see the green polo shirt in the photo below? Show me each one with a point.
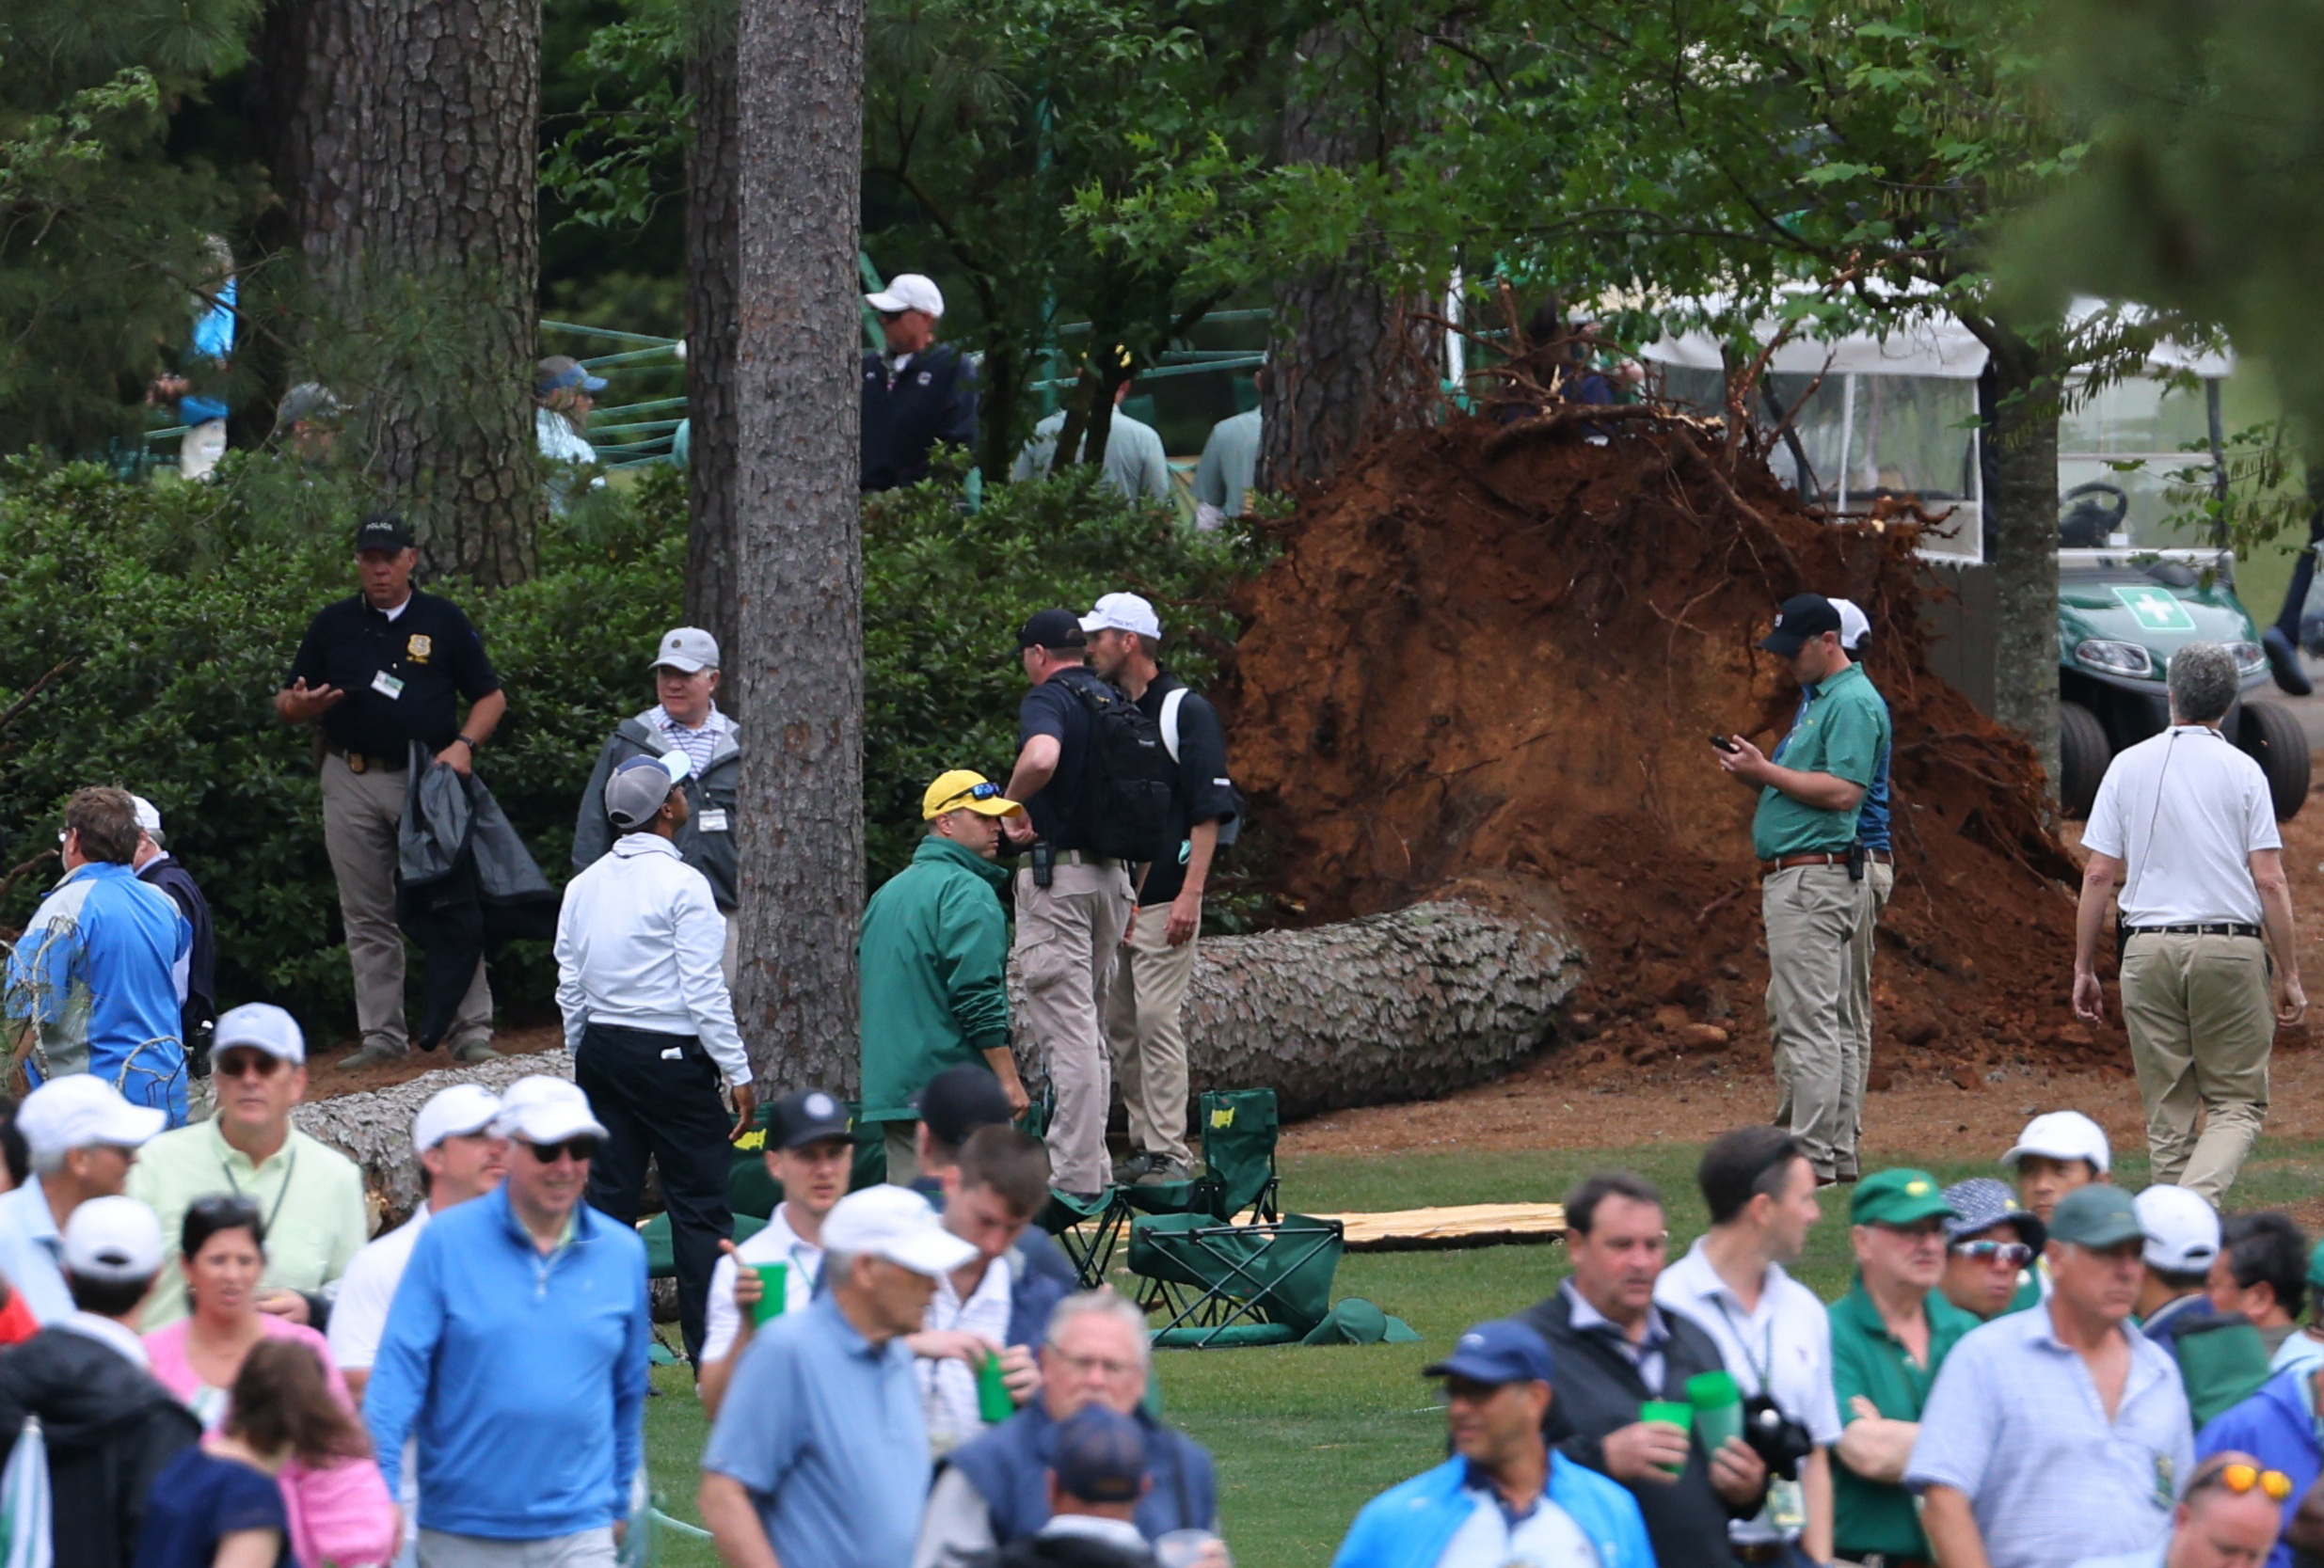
(310, 1195)
(1844, 732)
(1867, 1360)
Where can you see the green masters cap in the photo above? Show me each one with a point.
(1898, 1198)
(2098, 1215)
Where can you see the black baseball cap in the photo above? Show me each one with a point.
(1052, 629)
(806, 1117)
(960, 1099)
(382, 531)
(1802, 616)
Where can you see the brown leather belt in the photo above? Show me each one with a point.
(1887, 857)
(1786, 863)
(360, 762)
(1760, 1551)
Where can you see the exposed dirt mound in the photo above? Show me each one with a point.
(1495, 653)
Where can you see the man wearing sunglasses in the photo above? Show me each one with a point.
(651, 1024)
(516, 1352)
(309, 1193)
(2279, 1427)
(1889, 1334)
(932, 959)
(918, 393)
(2226, 1519)
(1990, 1246)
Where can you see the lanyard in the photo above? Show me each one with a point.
(289, 1170)
(1760, 1370)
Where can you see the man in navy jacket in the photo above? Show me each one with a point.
(916, 391)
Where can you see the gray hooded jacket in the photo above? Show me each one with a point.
(706, 842)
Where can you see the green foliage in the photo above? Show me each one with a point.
(170, 613)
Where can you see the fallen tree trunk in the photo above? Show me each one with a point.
(1405, 1006)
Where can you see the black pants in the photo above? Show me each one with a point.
(671, 1110)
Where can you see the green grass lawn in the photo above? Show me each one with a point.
(1304, 1436)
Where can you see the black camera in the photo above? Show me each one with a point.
(1779, 1441)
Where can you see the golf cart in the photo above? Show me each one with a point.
(1894, 415)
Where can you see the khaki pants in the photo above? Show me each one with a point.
(1879, 884)
(1149, 1042)
(1066, 936)
(903, 1143)
(362, 814)
(1811, 913)
(2200, 1025)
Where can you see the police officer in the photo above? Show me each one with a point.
(1805, 834)
(377, 673)
(916, 391)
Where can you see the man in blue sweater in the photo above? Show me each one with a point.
(516, 1348)
(1503, 1496)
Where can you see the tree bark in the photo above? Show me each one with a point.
(373, 1127)
(714, 265)
(1347, 364)
(800, 574)
(2023, 437)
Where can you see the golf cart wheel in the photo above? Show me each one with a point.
(2083, 752)
(2276, 741)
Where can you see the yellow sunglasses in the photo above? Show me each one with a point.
(2240, 1478)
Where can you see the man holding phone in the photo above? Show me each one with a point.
(1804, 835)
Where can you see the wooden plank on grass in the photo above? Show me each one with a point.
(1473, 1224)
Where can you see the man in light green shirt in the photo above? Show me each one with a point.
(1810, 793)
(1229, 466)
(309, 1196)
(1135, 461)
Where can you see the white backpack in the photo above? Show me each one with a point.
(1172, 700)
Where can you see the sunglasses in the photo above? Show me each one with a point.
(2240, 1478)
(974, 792)
(582, 1150)
(2014, 1254)
(254, 1063)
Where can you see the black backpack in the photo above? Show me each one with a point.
(1123, 812)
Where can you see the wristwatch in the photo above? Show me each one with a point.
(467, 742)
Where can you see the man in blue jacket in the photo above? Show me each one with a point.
(1503, 1496)
(516, 1351)
(2277, 1426)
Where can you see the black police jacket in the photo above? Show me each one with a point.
(932, 399)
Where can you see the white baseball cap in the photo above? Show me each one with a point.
(688, 649)
(262, 1026)
(82, 1111)
(1854, 626)
(2062, 1135)
(908, 291)
(2182, 1229)
(1123, 612)
(452, 1113)
(113, 1238)
(547, 1111)
(897, 1223)
(148, 817)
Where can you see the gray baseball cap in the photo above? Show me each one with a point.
(687, 650)
(638, 787)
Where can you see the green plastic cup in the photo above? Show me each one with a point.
(773, 1282)
(1669, 1413)
(1718, 1408)
(992, 1401)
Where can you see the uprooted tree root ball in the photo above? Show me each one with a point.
(1499, 654)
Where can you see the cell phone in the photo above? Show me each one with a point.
(1723, 743)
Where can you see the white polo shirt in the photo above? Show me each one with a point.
(2183, 811)
(776, 1243)
(1783, 1345)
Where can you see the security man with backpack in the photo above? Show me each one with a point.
(1095, 782)
(1156, 963)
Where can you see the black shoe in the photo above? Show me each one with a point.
(1127, 1171)
(2284, 662)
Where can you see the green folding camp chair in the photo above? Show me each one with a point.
(1238, 1130)
(1267, 1283)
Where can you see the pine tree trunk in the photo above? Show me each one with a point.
(2023, 436)
(713, 263)
(799, 571)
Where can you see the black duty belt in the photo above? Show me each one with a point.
(371, 761)
(2205, 928)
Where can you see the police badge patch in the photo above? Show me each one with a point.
(419, 647)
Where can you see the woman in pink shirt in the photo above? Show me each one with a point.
(341, 1512)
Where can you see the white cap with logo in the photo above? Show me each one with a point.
(908, 291)
(688, 649)
(262, 1026)
(2062, 1135)
(453, 1113)
(114, 1240)
(83, 1111)
(1123, 612)
(1854, 626)
(2182, 1229)
(897, 1223)
(544, 1109)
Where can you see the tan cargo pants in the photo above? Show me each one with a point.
(1067, 933)
(1879, 884)
(2202, 1025)
(361, 815)
(1811, 913)
(1148, 1037)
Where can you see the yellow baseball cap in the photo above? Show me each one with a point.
(961, 790)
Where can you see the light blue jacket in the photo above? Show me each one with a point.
(523, 1375)
(96, 971)
(1409, 1525)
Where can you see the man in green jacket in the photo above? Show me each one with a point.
(931, 958)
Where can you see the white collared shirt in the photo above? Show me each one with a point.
(639, 943)
(948, 1386)
(776, 1243)
(108, 1334)
(2183, 811)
